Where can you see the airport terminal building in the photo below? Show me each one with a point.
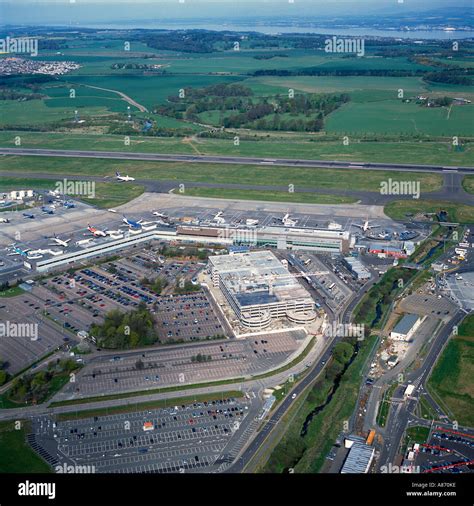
(259, 288)
(284, 238)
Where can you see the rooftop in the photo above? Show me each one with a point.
(406, 324)
(257, 277)
(359, 459)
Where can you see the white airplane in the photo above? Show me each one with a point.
(124, 178)
(54, 193)
(251, 223)
(287, 221)
(365, 226)
(112, 210)
(4, 220)
(95, 231)
(159, 215)
(218, 218)
(60, 242)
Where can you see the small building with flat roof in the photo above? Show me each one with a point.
(406, 327)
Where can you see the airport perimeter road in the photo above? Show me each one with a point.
(117, 155)
(401, 413)
(258, 441)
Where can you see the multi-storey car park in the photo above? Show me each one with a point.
(260, 288)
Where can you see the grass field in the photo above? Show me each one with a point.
(426, 410)
(11, 292)
(106, 194)
(282, 146)
(452, 377)
(215, 173)
(17, 456)
(458, 213)
(395, 116)
(417, 434)
(468, 184)
(384, 406)
(324, 427)
(273, 196)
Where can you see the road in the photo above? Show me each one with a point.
(286, 403)
(401, 413)
(253, 447)
(287, 162)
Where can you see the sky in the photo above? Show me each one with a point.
(42, 12)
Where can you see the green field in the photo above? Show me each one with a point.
(106, 194)
(426, 410)
(384, 406)
(395, 117)
(304, 198)
(146, 90)
(366, 180)
(17, 456)
(468, 184)
(458, 213)
(452, 378)
(417, 434)
(11, 292)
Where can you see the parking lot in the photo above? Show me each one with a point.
(20, 351)
(187, 317)
(431, 305)
(462, 289)
(173, 365)
(331, 280)
(196, 437)
(90, 293)
(447, 451)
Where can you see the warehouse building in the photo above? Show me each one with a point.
(406, 327)
(357, 268)
(360, 457)
(259, 288)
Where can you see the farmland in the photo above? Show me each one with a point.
(381, 126)
(451, 380)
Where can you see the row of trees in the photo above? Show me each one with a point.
(201, 358)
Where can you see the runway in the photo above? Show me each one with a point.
(233, 160)
(451, 191)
